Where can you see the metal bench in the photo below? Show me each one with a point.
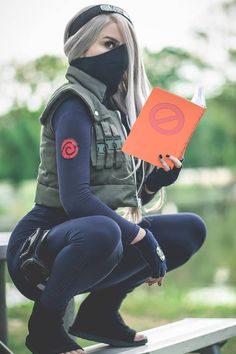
(191, 335)
(4, 349)
(4, 238)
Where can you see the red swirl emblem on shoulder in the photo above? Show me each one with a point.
(69, 148)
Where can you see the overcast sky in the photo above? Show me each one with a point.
(30, 28)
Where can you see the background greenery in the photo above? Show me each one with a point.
(213, 146)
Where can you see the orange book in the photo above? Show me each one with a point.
(164, 126)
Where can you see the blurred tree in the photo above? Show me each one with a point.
(214, 141)
(19, 149)
(216, 134)
(46, 69)
(20, 126)
(30, 85)
(165, 68)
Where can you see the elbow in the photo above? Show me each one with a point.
(74, 204)
(70, 210)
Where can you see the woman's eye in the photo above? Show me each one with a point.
(109, 43)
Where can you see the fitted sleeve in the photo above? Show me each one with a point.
(72, 127)
(145, 197)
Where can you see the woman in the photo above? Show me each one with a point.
(83, 178)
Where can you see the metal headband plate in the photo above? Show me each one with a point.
(112, 8)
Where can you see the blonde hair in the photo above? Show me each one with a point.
(133, 89)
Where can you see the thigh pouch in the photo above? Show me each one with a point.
(35, 270)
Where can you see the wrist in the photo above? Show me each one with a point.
(152, 183)
(147, 190)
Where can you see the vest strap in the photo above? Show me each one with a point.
(93, 151)
(109, 144)
(117, 143)
(100, 147)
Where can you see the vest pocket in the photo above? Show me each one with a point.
(106, 146)
(117, 143)
(109, 144)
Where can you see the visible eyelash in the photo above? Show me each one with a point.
(110, 42)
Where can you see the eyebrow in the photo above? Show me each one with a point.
(112, 38)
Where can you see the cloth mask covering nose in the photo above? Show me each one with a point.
(108, 67)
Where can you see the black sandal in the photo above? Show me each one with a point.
(66, 348)
(103, 305)
(114, 331)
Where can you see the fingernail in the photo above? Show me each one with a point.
(160, 156)
(167, 155)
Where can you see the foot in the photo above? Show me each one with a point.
(139, 337)
(114, 331)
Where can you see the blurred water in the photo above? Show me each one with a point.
(212, 296)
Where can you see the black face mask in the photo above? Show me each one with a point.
(108, 67)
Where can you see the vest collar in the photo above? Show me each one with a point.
(75, 75)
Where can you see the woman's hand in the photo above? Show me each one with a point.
(174, 159)
(153, 254)
(152, 281)
(165, 176)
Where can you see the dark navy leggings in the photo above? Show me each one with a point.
(87, 253)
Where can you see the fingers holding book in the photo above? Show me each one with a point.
(176, 161)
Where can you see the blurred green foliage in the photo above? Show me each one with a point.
(19, 151)
(20, 127)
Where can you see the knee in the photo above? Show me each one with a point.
(198, 231)
(105, 236)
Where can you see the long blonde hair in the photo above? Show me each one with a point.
(133, 89)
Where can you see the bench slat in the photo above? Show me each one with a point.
(4, 238)
(178, 337)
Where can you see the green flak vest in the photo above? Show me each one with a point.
(108, 164)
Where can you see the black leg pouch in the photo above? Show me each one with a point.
(35, 269)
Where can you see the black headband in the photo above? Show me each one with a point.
(92, 12)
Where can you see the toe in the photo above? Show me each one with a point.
(139, 337)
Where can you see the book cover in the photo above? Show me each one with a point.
(164, 125)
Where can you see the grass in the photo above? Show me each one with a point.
(144, 308)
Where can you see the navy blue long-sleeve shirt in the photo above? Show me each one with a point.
(72, 121)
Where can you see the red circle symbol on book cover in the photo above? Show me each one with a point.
(162, 124)
(69, 148)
